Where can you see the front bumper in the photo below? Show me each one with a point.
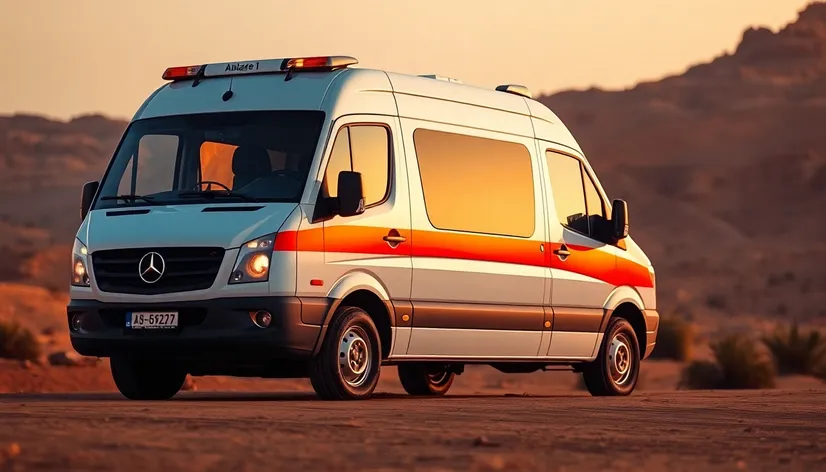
(219, 329)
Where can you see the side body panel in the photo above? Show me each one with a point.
(474, 295)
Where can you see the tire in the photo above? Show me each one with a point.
(349, 364)
(617, 367)
(427, 380)
(146, 380)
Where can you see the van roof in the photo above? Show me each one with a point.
(322, 82)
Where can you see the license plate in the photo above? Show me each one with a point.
(153, 320)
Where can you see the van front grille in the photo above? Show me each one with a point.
(184, 269)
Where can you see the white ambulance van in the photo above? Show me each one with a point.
(305, 218)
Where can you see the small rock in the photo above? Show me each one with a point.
(71, 359)
(12, 451)
(741, 465)
(27, 364)
(482, 441)
(748, 430)
(189, 385)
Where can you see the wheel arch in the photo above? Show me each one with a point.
(363, 290)
(625, 302)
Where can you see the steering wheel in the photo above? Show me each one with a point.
(209, 184)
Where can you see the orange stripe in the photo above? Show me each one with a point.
(583, 260)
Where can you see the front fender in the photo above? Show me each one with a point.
(357, 280)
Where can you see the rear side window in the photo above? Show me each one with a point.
(578, 203)
(476, 184)
(364, 149)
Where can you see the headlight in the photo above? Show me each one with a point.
(253, 262)
(80, 275)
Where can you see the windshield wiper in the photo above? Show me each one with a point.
(131, 198)
(210, 194)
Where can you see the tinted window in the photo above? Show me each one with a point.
(156, 170)
(364, 149)
(569, 196)
(476, 184)
(263, 156)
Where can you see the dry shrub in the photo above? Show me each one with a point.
(795, 352)
(739, 364)
(17, 342)
(675, 339)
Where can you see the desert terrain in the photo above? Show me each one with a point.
(724, 170)
(710, 431)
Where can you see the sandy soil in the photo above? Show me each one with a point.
(758, 430)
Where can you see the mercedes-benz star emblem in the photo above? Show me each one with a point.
(151, 267)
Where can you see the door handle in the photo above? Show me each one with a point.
(562, 252)
(393, 238)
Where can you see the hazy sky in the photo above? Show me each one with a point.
(67, 57)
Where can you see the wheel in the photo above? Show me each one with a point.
(146, 380)
(348, 366)
(617, 367)
(426, 379)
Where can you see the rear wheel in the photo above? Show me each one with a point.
(348, 366)
(146, 380)
(617, 367)
(426, 379)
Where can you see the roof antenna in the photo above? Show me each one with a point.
(229, 93)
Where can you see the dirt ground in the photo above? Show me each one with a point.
(757, 430)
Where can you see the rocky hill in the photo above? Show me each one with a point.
(723, 166)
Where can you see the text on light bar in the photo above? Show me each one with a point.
(266, 66)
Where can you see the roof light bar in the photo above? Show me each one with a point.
(178, 73)
(319, 62)
(267, 66)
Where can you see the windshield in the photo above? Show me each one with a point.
(223, 157)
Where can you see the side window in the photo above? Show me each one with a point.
(365, 149)
(476, 184)
(569, 196)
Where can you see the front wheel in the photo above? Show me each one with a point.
(426, 379)
(348, 366)
(146, 380)
(617, 367)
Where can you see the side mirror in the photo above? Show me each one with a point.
(619, 219)
(350, 193)
(87, 196)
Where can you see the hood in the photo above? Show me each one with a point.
(217, 225)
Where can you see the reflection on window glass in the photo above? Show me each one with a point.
(595, 205)
(370, 147)
(566, 184)
(476, 184)
(216, 163)
(156, 156)
(370, 156)
(339, 161)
